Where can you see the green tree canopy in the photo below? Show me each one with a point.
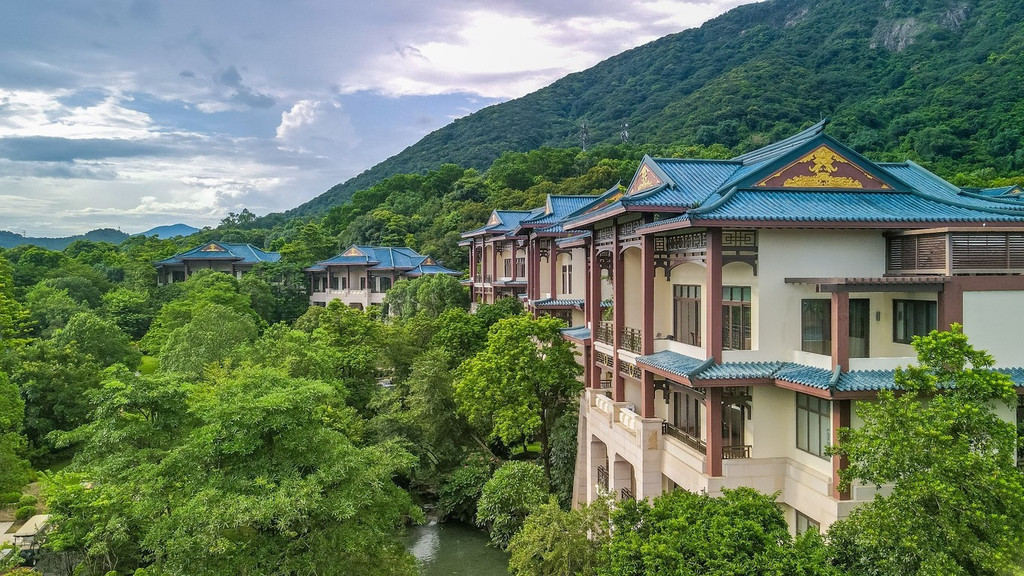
(99, 338)
(515, 490)
(957, 500)
(521, 382)
(741, 532)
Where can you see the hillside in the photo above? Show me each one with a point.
(11, 239)
(170, 231)
(932, 80)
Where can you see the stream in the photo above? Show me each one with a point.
(454, 549)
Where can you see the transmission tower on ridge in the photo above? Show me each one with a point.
(584, 135)
(625, 131)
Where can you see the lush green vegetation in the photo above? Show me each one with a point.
(255, 436)
(930, 80)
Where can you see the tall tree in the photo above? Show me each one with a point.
(957, 500)
(252, 472)
(14, 470)
(521, 382)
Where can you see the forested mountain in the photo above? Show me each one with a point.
(937, 81)
(12, 239)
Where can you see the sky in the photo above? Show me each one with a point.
(130, 114)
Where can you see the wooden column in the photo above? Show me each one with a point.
(713, 298)
(553, 261)
(841, 416)
(713, 402)
(951, 304)
(593, 309)
(841, 330)
(647, 311)
(515, 256)
(618, 317)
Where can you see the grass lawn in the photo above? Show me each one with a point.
(149, 364)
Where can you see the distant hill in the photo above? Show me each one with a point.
(937, 81)
(11, 239)
(170, 231)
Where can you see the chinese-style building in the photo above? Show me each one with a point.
(731, 314)
(361, 275)
(230, 258)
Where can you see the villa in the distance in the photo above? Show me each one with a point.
(732, 314)
(361, 275)
(233, 259)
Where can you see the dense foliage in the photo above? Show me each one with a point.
(957, 500)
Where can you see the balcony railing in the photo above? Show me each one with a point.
(606, 332)
(627, 494)
(735, 452)
(602, 477)
(632, 339)
(684, 437)
(488, 278)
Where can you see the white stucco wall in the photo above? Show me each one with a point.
(994, 321)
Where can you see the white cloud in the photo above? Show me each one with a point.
(318, 127)
(134, 112)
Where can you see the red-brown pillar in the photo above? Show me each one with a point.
(515, 257)
(713, 402)
(951, 304)
(593, 309)
(553, 261)
(618, 317)
(841, 330)
(713, 299)
(647, 310)
(840, 419)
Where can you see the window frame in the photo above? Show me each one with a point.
(566, 278)
(825, 326)
(817, 417)
(731, 308)
(686, 298)
(900, 319)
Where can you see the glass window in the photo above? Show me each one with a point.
(508, 267)
(686, 412)
(736, 317)
(521, 267)
(567, 279)
(385, 283)
(816, 326)
(813, 424)
(912, 318)
(805, 523)
(362, 282)
(686, 313)
(334, 282)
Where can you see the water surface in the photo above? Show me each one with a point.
(454, 549)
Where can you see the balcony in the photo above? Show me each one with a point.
(728, 452)
(606, 333)
(632, 339)
(684, 437)
(735, 452)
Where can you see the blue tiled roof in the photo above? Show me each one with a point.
(866, 380)
(507, 220)
(578, 332)
(675, 363)
(806, 375)
(840, 207)
(239, 253)
(741, 370)
(557, 208)
(557, 302)
(380, 258)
